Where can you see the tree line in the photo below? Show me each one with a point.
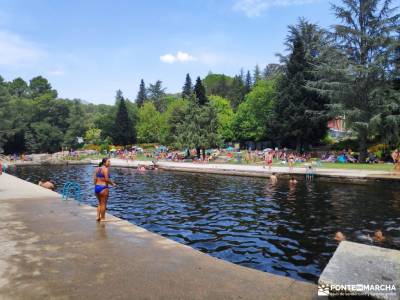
(350, 70)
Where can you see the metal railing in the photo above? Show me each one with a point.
(71, 189)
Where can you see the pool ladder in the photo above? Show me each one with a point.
(71, 188)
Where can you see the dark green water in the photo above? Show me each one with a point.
(242, 219)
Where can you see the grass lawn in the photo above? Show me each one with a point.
(346, 166)
(372, 167)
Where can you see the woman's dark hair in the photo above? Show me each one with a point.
(103, 161)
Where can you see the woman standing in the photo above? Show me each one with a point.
(291, 160)
(101, 178)
(396, 160)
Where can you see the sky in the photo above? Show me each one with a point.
(88, 49)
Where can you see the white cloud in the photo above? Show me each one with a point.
(16, 51)
(178, 57)
(57, 72)
(254, 8)
(168, 58)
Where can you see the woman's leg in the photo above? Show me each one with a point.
(98, 207)
(103, 203)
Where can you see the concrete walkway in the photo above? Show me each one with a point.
(259, 171)
(51, 249)
(356, 265)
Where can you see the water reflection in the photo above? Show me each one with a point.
(281, 228)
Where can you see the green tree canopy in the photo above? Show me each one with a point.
(253, 115)
(200, 128)
(157, 95)
(187, 90)
(149, 125)
(225, 117)
(124, 133)
(39, 86)
(200, 92)
(256, 74)
(18, 87)
(142, 94)
(76, 125)
(171, 119)
(300, 114)
(356, 77)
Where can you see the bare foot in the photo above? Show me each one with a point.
(98, 220)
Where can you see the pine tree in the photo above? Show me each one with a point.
(199, 128)
(271, 71)
(396, 64)
(200, 92)
(237, 92)
(5, 122)
(248, 83)
(142, 94)
(256, 74)
(187, 90)
(300, 114)
(241, 75)
(356, 76)
(157, 95)
(124, 133)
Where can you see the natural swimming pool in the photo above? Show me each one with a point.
(244, 220)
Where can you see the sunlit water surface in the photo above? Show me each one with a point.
(244, 220)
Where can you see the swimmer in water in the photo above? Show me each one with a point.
(339, 236)
(378, 236)
(47, 184)
(273, 179)
(292, 181)
(101, 178)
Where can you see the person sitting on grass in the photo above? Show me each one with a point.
(371, 159)
(47, 184)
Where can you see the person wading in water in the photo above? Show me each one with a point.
(101, 178)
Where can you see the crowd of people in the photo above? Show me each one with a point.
(267, 156)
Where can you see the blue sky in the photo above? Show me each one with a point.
(90, 48)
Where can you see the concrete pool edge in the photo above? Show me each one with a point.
(42, 225)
